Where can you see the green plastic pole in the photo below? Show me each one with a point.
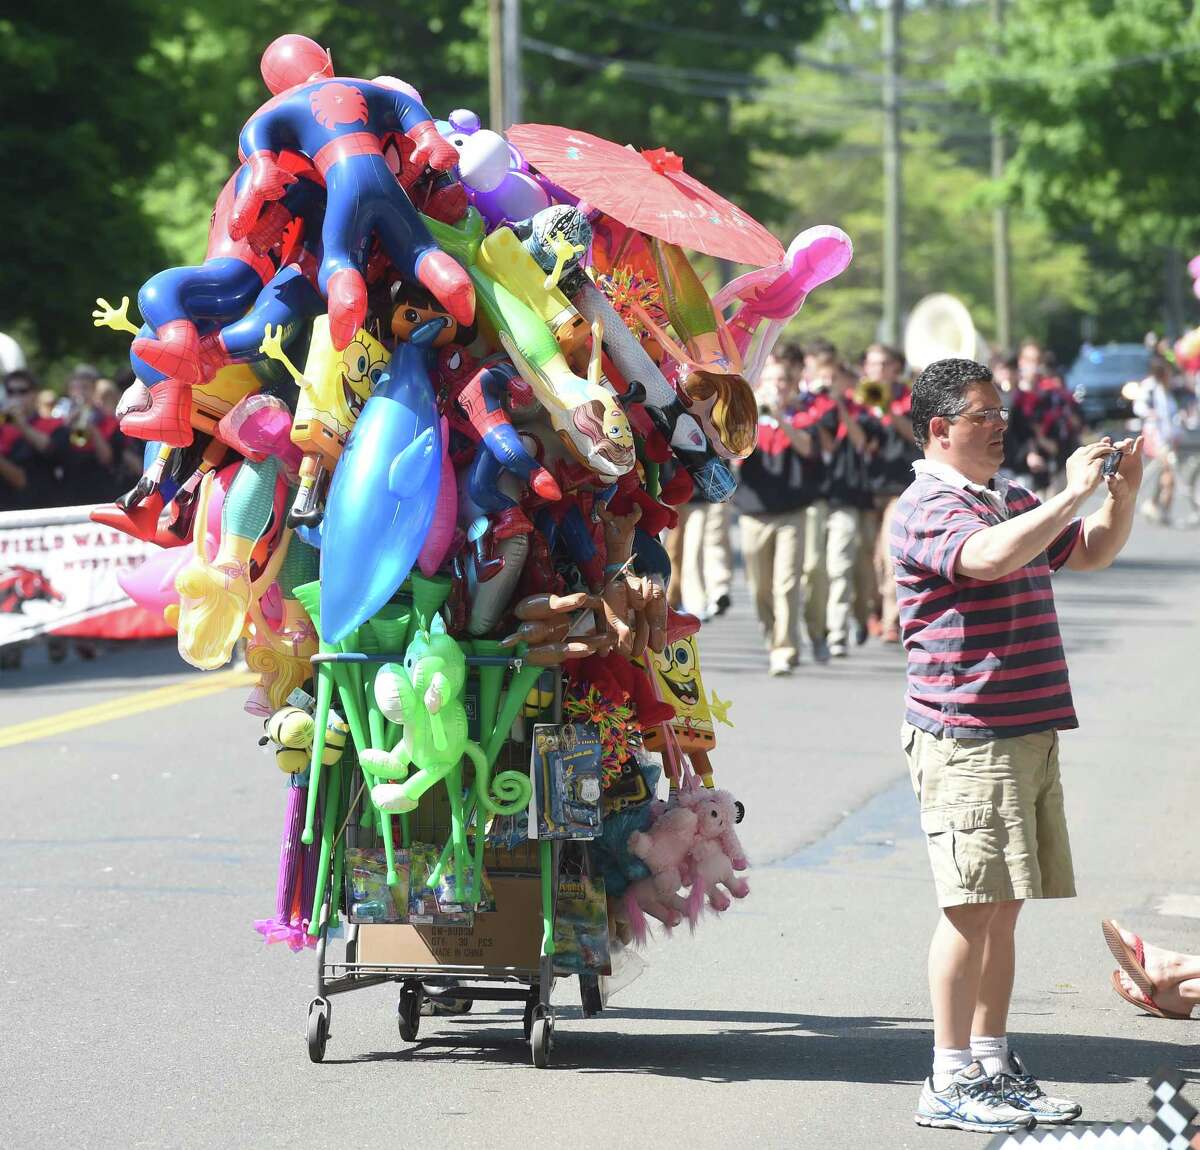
(333, 787)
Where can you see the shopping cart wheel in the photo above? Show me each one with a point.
(318, 1028)
(527, 1017)
(541, 1038)
(409, 1011)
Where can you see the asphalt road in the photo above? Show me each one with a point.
(140, 1009)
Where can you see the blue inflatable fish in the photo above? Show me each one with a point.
(382, 496)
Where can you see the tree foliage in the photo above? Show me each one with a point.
(121, 121)
(1102, 101)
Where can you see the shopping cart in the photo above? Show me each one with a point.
(503, 955)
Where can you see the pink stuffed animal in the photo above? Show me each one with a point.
(715, 853)
(691, 843)
(665, 846)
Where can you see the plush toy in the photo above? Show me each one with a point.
(715, 852)
(690, 842)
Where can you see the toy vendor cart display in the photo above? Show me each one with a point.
(417, 426)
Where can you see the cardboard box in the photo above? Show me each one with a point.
(510, 936)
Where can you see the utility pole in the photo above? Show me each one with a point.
(495, 66)
(511, 76)
(504, 63)
(892, 197)
(1001, 271)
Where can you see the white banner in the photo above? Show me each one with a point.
(58, 573)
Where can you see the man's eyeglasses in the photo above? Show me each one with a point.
(19, 390)
(986, 415)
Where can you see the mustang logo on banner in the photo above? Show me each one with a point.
(58, 573)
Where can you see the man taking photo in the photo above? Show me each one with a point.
(987, 694)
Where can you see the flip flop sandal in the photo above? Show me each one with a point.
(1131, 959)
(1150, 1007)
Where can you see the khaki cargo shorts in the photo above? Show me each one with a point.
(992, 812)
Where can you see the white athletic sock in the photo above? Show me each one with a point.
(947, 1063)
(992, 1054)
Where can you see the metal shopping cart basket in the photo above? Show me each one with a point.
(505, 954)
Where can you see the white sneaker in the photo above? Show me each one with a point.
(970, 1102)
(1019, 1088)
(781, 664)
(839, 649)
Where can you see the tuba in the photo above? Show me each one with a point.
(940, 327)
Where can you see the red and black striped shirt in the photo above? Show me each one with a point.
(985, 659)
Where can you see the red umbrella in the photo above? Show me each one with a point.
(647, 190)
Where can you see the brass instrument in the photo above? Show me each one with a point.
(872, 393)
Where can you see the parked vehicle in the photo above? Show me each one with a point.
(1105, 380)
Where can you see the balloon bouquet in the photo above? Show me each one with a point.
(439, 392)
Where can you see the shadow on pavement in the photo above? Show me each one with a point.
(766, 1046)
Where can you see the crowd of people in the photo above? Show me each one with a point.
(815, 500)
(60, 450)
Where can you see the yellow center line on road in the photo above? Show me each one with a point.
(123, 706)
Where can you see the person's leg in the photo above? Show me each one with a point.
(718, 556)
(866, 595)
(885, 575)
(785, 588)
(695, 598)
(674, 547)
(841, 553)
(999, 967)
(1168, 969)
(956, 957)
(816, 588)
(758, 547)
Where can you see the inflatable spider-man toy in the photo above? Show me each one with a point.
(340, 125)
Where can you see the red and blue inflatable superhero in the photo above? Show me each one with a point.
(340, 125)
(200, 318)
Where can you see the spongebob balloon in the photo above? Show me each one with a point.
(333, 388)
(677, 675)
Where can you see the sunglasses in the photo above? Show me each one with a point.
(986, 415)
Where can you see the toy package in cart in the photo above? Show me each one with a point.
(418, 422)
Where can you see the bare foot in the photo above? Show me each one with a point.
(1170, 1000)
(1161, 965)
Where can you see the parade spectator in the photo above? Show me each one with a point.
(987, 695)
(1158, 410)
(31, 442)
(846, 435)
(90, 460)
(771, 498)
(1161, 982)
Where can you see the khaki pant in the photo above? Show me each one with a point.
(773, 548)
(816, 577)
(841, 551)
(885, 573)
(718, 551)
(993, 816)
(866, 581)
(685, 549)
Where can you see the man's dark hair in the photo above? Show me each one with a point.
(941, 389)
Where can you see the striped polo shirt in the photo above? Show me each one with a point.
(985, 659)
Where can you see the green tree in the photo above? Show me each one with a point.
(122, 121)
(76, 83)
(1100, 101)
(947, 200)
